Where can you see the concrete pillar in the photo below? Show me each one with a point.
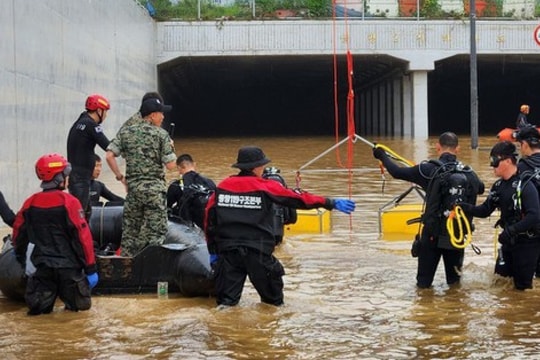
(397, 101)
(380, 110)
(419, 82)
(407, 106)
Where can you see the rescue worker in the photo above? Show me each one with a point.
(83, 136)
(187, 197)
(529, 164)
(99, 190)
(8, 216)
(239, 229)
(433, 242)
(519, 207)
(53, 221)
(522, 121)
(147, 148)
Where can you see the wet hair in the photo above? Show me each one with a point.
(184, 157)
(448, 140)
(530, 135)
(504, 150)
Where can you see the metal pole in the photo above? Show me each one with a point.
(417, 9)
(474, 78)
(199, 10)
(253, 9)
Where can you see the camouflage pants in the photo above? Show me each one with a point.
(144, 220)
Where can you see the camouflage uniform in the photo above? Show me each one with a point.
(133, 120)
(146, 148)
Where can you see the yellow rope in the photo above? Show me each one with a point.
(465, 237)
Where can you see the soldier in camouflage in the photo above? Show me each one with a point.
(146, 147)
(137, 118)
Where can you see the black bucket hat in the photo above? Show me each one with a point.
(250, 157)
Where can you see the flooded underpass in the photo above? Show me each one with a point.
(349, 293)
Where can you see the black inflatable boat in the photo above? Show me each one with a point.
(182, 261)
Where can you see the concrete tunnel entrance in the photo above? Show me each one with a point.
(294, 95)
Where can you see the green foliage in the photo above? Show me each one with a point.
(241, 9)
(318, 8)
(430, 9)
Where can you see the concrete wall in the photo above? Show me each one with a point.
(53, 54)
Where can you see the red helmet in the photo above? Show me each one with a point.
(48, 166)
(96, 101)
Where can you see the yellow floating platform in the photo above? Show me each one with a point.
(310, 221)
(393, 221)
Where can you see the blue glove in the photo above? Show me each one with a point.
(344, 205)
(213, 258)
(92, 280)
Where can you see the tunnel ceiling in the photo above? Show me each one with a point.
(294, 95)
(264, 95)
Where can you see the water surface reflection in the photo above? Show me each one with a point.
(349, 294)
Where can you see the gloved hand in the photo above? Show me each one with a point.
(378, 153)
(92, 279)
(213, 259)
(344, 205)
(467, 208)
(507, 237)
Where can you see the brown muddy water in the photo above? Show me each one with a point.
(349, 294)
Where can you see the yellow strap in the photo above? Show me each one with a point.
(394, 155)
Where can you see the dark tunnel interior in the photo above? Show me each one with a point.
(294, 95)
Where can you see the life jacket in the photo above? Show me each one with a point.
(450, 184)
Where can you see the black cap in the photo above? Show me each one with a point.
(250, 157)
(153, 105)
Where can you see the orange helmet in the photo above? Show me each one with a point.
(524, 108)
(50, 165)
(96, 101)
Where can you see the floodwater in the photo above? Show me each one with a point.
(349, 294)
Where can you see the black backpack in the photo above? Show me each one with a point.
(450, 184)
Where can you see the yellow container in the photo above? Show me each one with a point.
(310, 221)
(393, 222)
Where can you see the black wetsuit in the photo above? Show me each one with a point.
(530, 164)
(521, 254)
(429, 253)
(82, 139)
(5, 211)
(98, 190)
(522, 121)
